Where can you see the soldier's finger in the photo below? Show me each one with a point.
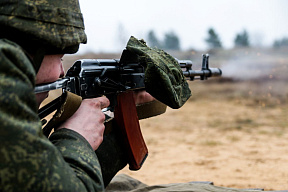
(104, 102)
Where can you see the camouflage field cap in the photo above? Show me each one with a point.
(164, 79)
(55, 24)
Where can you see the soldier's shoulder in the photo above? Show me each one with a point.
(12, 54)
(5, 44)
(11, 50)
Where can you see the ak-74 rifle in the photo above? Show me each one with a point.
(90, 78)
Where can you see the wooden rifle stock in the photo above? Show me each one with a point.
(127, 119)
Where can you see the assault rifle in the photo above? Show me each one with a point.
(90, 78)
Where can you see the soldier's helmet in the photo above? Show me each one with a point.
(54, 25)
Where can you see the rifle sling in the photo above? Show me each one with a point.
(150, 109)
(70, 102)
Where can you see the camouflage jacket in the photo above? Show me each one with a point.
(28, 160)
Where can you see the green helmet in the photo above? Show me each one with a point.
(53, 25)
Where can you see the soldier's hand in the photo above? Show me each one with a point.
(88, 120)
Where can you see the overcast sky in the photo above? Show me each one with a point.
(110, 23)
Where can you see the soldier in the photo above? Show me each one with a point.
(34, 37)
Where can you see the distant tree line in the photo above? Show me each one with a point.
(213, 40)
(281, 43)
(171, 40)
(241, 40)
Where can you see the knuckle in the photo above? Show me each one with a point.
(104, 101)
(107, 101)
(100, 133)
(99, 102)
(92, 103)
(102, 117)
(101, 130)
(96, 103)
(100, 140)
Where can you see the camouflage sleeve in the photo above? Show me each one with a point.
(28, 160)
(80, 155)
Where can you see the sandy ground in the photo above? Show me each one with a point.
(219, 142)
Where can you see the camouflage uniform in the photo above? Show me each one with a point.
(28, 160)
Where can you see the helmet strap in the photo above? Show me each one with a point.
(38, 58)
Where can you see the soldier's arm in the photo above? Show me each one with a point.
(29, 161)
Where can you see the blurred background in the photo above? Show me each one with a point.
(110, 23)
(233, 130)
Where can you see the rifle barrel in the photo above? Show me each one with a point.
(60, 83)
(211, 72)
